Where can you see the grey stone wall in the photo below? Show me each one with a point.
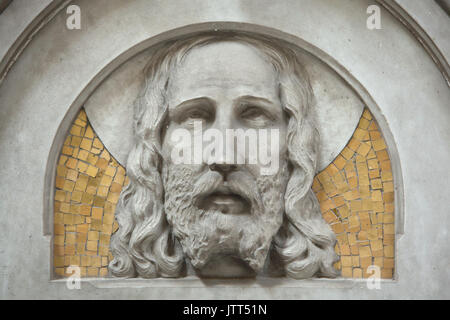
(399, 79)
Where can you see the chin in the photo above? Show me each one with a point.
(225, 245)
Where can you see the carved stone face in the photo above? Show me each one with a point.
(224, 213)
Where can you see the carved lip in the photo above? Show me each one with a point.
(224, 200)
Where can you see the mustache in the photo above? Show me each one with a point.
(237, 182)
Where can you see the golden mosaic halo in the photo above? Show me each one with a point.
(355, 193)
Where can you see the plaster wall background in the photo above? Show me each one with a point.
(19, 15)
(411, 95)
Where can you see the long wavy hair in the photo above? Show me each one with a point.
(144, 245)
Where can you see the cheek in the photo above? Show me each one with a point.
(176, 141)
(272, 156)
(283, 143)
(178, 151)
(166, 144)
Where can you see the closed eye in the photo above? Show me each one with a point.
(197, 114)
(256, 116)
(189, 111)
(194, 114)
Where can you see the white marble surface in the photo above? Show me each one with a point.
(432, 19)
(53, 72)
(16, 17)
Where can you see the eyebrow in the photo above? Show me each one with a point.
(264, 103)
(251, 99)
(202, 101)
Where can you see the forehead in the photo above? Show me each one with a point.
(225, 69)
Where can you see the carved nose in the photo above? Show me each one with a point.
(223, 168)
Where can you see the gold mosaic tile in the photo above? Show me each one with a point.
(357, 200)
(355, 192)
(84, 187)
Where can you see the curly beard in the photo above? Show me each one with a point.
(205, 234)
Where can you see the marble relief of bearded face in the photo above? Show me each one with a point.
(220, 218)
